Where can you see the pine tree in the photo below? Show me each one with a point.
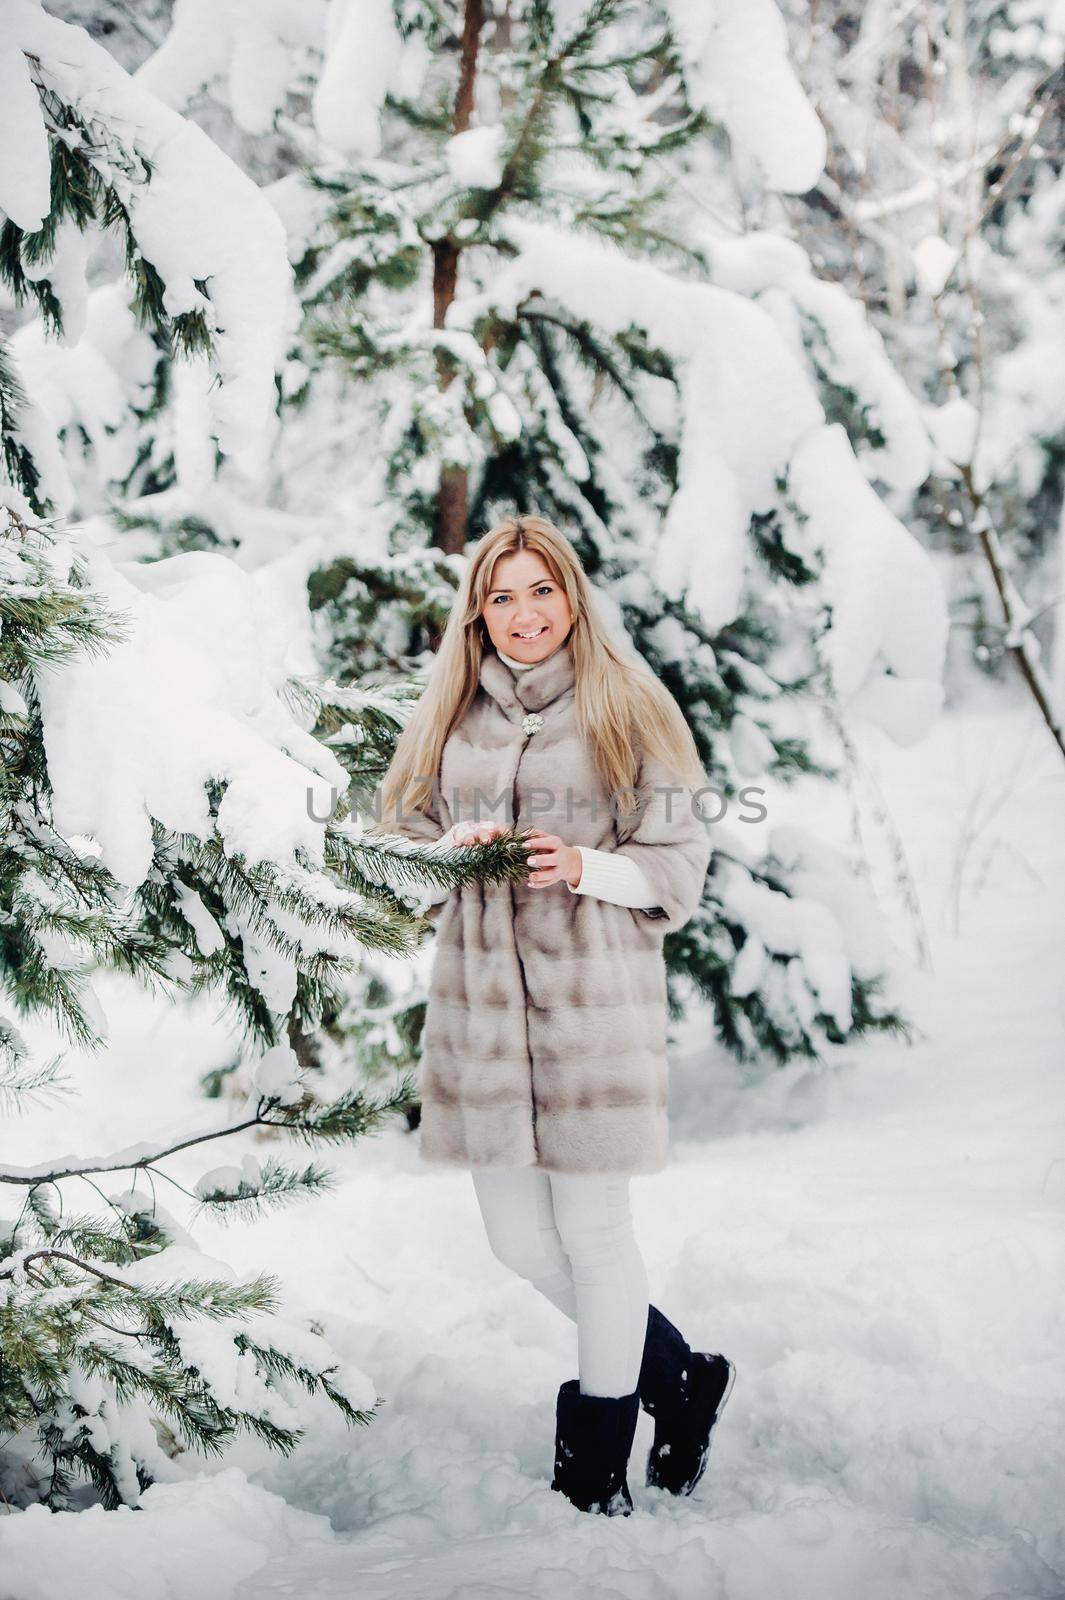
(512, 294)
(90, 1346)
(514, 280)
(247, 898)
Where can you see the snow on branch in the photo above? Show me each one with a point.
(346, 1119)
(202, 226)
(748, 411)
(736, 65)
(195, 693)
(251, 57)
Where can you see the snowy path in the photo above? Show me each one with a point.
(877, 1246)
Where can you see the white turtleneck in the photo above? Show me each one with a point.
(604, 874)
(523, 666)
(517, 666)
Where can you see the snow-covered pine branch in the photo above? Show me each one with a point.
(109, 1325)
(204, 248)
(886, 638)
(170, 814)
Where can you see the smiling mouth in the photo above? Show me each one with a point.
(528, 637)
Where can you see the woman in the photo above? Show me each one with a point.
(543, 1067)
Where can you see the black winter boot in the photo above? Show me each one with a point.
(593, 1438)
(685, 1392)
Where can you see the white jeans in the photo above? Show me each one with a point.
(570, 1234)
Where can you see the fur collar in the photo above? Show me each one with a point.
(517, 693)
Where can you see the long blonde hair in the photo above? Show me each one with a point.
(619, 703)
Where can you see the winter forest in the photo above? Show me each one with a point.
(762, 303)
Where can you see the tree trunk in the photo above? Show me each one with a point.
(452, 499)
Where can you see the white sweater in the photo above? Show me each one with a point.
(608, 876)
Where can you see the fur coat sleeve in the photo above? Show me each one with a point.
(669, 840)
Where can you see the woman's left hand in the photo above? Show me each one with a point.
(553, 861)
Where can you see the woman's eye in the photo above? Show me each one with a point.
(497, 598)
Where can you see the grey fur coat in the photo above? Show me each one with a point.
(545, 1031)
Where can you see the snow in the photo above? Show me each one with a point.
(843, 344)
(11, 702)
(209, 936)
(66, 271)
(876, 1240)
(25, 176)
(85, 392)
(133, 1555)
(277, 1074)
(796, 926)
(933, 262)
(889, 626)
(193, 694)
(954, 426)
(1026, 403)
(750, 746)
(733, 363)
(200, 218)
(250, 50)
(736, 59)
(226, 1180)
(475, 157)
(876, 1243)
(364, 55)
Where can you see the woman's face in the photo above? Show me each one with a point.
(527, 614)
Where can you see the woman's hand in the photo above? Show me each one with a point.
(477, 832)
(554, 861)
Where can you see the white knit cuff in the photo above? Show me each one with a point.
(613, 877)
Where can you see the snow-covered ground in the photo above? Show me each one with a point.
(878, 1245)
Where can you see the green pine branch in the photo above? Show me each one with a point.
(275, 1185)
(346, 1119)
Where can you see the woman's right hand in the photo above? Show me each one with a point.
(477, 832)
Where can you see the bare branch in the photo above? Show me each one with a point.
(122, 1161)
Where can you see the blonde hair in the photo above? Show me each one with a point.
(618, 702)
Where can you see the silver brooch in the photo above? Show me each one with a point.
(532, 722)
